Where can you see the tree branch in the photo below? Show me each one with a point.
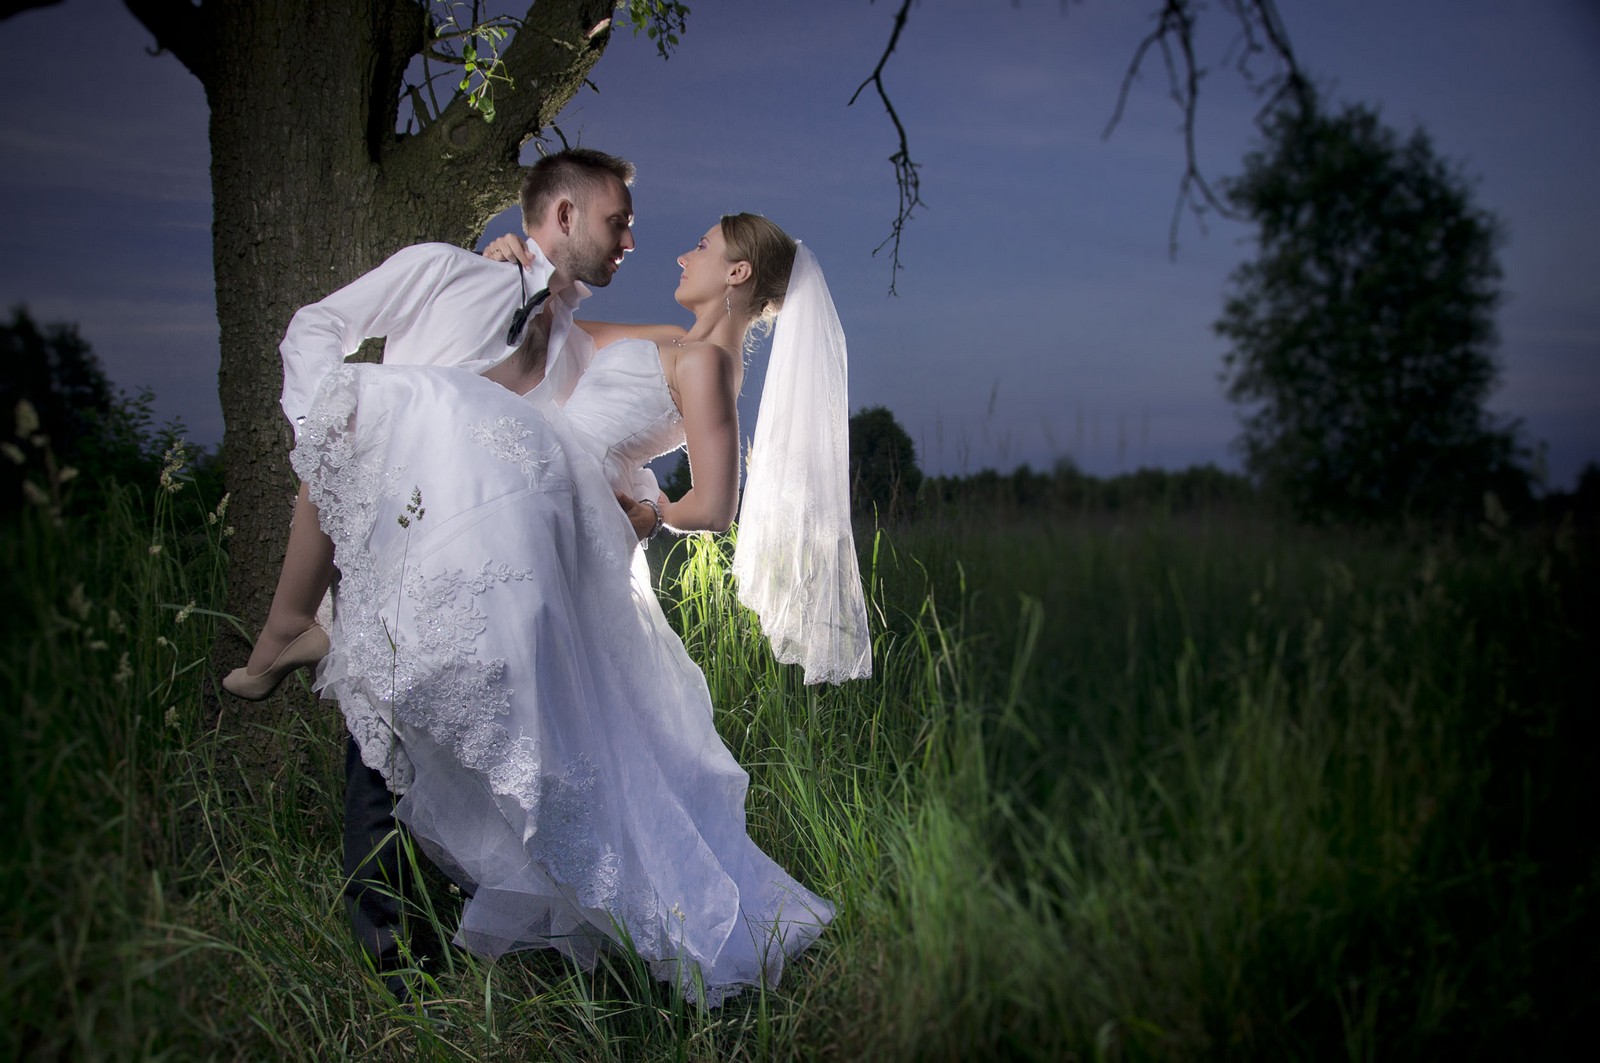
(1291, 82)
(1173, 36)
(907, 183)
(554, 42)
(1174, 33)
(408, 28)
(179, 27)
(558, 43)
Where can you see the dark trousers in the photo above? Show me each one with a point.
(375, 870)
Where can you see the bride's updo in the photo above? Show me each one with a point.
(770, 252)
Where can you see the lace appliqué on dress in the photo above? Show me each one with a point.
(345, 490)
(504, 438)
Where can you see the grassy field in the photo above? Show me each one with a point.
(1143, 787)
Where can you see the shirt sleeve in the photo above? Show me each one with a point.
(382, 302)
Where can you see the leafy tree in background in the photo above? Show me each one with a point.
(884, 476)
(74, 420)
(679, 480)
(55, 370)
(1363, 333)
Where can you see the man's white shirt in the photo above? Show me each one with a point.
(435, 304)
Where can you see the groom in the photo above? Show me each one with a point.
(437, 304)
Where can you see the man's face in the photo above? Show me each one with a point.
(601, 233)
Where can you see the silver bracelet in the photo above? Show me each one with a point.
(660, 520)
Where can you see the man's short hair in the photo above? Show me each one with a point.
(573, 173)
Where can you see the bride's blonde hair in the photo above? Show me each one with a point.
(770, 252)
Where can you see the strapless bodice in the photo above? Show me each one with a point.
(622, 410)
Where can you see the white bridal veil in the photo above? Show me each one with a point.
(795, 558)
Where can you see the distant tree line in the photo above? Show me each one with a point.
(1068, 487)
(887, 485)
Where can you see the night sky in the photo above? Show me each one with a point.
(1040, 315)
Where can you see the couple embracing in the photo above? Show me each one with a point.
(513, 692)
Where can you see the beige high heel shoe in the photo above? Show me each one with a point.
(308, 647)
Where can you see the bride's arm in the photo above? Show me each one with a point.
(708, 393)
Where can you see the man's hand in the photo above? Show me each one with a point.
(641, 516)
(509, 248)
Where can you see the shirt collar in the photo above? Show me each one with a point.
(543, 269)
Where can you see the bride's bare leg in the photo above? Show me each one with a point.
(304, 578)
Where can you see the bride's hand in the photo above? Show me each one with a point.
(508, 248)
(640, 515)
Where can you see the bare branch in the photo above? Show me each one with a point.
(419, 106)
(1174, 37)
(907, 182)
(1292, 82)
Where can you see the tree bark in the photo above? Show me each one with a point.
(312, 187)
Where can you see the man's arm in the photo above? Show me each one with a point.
(382, 302)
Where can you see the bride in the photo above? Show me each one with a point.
(499, 656)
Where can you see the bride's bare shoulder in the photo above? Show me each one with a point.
(702, 367)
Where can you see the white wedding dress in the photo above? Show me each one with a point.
(500, 657)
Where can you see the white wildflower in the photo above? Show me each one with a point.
(96, 645)
(184, 613)
(114, 622)
(172, 463)
(124, 670)
(155, 548)
(172, 716)
(34, 493)
(27, 419)
(13, 452)
(78, 601)
(67, 474)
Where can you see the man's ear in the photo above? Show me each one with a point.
(566, 214)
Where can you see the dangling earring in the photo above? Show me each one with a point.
(727, 300)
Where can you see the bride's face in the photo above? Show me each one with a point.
(705, 271)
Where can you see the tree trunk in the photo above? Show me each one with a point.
(312, 187)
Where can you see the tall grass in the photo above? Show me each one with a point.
(1142, 788)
